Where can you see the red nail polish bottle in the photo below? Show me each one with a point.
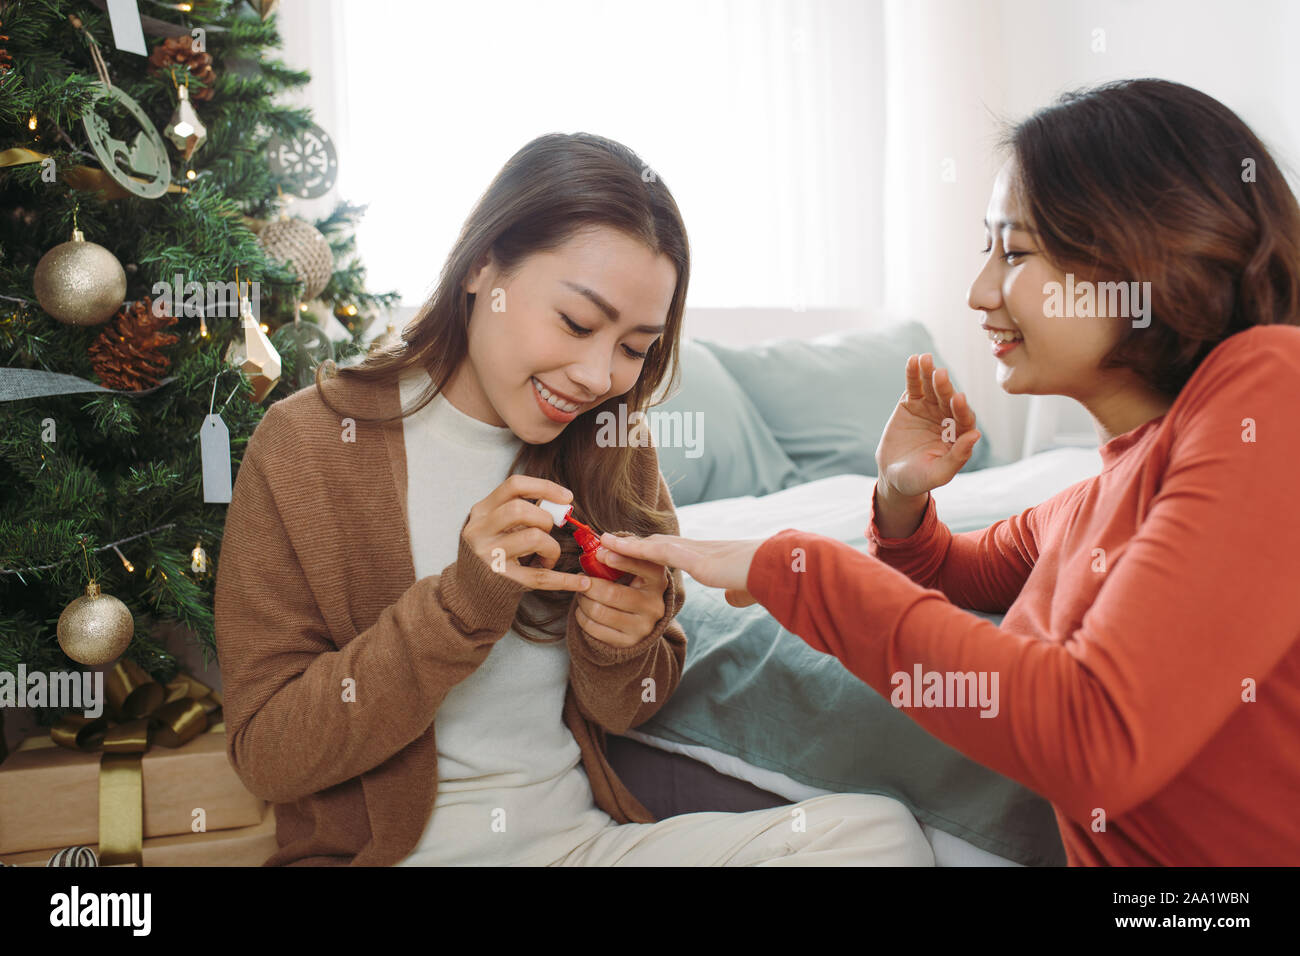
(587, 539)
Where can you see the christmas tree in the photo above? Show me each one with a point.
(115, 349)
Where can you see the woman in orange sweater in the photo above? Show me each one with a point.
(1148, 664)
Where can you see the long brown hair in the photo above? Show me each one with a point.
(1152, 180)
(553, 187)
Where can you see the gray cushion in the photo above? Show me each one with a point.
(735, 451)
(827, 401)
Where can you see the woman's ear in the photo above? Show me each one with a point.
(479, 273)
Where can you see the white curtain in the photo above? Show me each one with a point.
(762, 116)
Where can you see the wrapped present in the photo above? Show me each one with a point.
(61, 790)
(243, 846)
(50, 795)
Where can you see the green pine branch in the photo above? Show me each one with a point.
(90, 469)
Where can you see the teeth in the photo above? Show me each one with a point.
(554, 399)
(1002, 337)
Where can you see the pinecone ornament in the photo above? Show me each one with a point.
(128, 354)
(6, 61)
(181, 50)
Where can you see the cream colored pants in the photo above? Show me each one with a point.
(839, 829)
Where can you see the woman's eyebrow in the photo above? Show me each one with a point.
(1010, 224)
(603, 304)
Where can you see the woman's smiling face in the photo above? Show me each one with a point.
(1057, 355)
(576, 321)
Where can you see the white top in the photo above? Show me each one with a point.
(511, 786)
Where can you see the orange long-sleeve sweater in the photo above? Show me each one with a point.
(1148, 666)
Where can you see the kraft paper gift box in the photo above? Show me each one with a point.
(245, 846)
(49, 795)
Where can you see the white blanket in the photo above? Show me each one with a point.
(838, 506)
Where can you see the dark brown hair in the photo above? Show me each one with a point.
(554, 187)
(1148, 180)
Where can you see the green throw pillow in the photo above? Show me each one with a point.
(712, 442)
(826, 401)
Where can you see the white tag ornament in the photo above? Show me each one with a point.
(128, 29)
(214, 444)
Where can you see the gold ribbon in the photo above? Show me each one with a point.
(140, 711)
(17, 157)
(82, 178)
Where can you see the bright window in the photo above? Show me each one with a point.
(765, 119)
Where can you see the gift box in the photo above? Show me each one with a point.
(49, 795)
(244, 846)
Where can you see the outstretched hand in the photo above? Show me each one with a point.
(717, 564)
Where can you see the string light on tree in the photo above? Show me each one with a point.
(125, 563)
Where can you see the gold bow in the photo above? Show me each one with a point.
(81, 178)
(140, 712)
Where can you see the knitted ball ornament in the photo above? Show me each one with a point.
(303, 248)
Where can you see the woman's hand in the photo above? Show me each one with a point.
(716, 564)
(930, 435)
(505, 527)
(622, 614)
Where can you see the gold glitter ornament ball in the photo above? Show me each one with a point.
(95, 628)
(80, 282)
